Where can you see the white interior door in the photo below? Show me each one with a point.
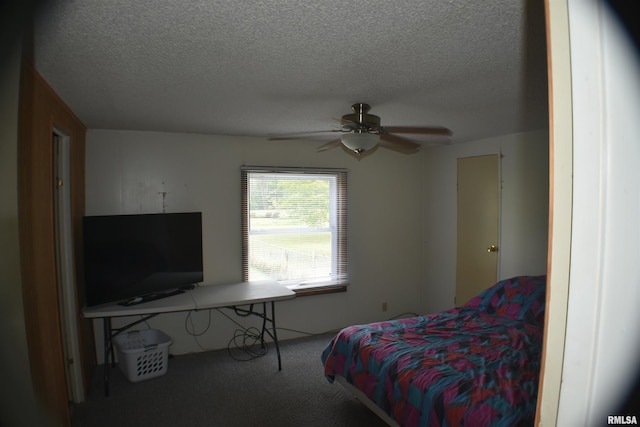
(478, 216)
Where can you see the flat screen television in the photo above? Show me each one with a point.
(127, 257)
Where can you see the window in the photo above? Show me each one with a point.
(294, 226)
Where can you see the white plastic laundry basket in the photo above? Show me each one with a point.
(143, 354)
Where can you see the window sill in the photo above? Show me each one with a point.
(319, 290)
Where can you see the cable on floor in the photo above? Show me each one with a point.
(189, 321)
(247, 344)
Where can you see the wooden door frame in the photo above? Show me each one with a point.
(560, 209)
(40, 111)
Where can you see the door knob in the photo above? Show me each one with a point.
(492, 248)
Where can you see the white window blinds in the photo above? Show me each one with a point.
(294, 226)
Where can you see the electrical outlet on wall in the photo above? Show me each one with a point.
(384, 307)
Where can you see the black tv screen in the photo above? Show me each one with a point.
(128, 256)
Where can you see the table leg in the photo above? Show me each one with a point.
(265, 318)
(275, 335)
(107, 339)
(264, 323)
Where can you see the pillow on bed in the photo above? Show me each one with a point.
(518, 298)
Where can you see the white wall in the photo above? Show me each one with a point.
(602, 340)
(401, 217)
(126, 172)
(524, 211)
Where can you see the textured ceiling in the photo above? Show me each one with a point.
(264, 67)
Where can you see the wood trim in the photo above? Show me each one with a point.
(40, 111)
(560, 210)
(320, 290)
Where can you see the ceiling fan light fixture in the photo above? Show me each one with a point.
(359, 142)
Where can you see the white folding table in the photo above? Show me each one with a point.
(235, 296)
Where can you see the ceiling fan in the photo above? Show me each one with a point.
(361, 132)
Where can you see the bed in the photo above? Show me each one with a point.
(473, 365)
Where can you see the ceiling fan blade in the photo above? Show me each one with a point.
(329, 145)
(300, 135)
(435, 130)
(398, 143)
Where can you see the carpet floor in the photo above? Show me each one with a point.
(214, 389)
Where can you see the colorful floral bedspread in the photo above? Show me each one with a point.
(475, 365)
